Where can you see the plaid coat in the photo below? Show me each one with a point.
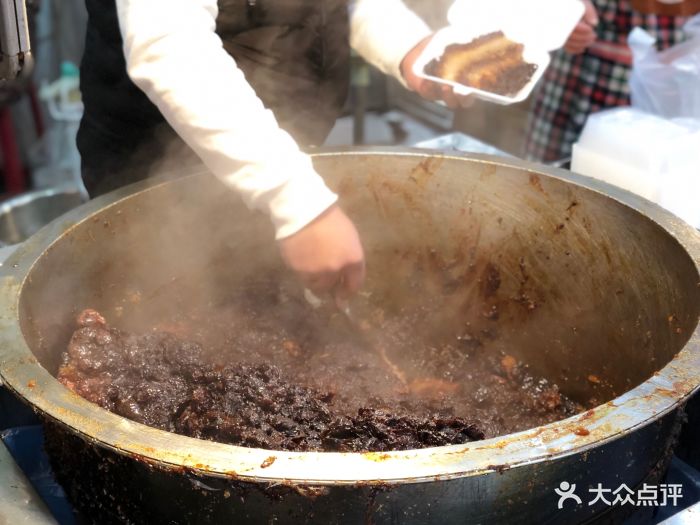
(575, 86)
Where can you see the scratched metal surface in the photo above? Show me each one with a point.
(517, 210)
(20, 503)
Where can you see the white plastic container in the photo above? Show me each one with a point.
(653, 157)
(540, 25)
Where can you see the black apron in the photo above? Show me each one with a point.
(295, 54)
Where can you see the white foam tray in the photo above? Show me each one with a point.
(540, 25)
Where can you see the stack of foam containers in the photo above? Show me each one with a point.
(656, 158)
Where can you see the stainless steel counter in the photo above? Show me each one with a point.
(689, 516)
(19, 503)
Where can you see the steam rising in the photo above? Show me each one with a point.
(445, 296)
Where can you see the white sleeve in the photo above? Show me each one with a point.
(384, 31)
(174, 55)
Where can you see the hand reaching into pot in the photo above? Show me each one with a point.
(327, 255)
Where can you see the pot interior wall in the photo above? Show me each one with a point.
(588, 292)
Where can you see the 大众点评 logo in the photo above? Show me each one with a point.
(647, 496)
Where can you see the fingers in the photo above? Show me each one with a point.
(578, 46)
(435, 91)
(448, 96)
(429, 90)
(575, 49)
(350, 282)
(583, 31)
(465, 101)
(456, 101)
(320, 283)
(584, 34)
(444, 92)
(590, 15)
(581, 38)
(342, 285)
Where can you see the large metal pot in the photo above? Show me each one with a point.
(599, 291)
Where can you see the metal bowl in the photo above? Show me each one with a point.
(613, 280)
(24, 215)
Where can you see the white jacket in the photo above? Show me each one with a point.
(174, 55)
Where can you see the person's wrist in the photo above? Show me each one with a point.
(303, 199)
(333, 208)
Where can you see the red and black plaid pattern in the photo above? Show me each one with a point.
(575, 86)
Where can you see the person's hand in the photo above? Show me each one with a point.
(327, 255)
(584, 33)
(426, 88)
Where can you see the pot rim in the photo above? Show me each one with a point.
(660, 394)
